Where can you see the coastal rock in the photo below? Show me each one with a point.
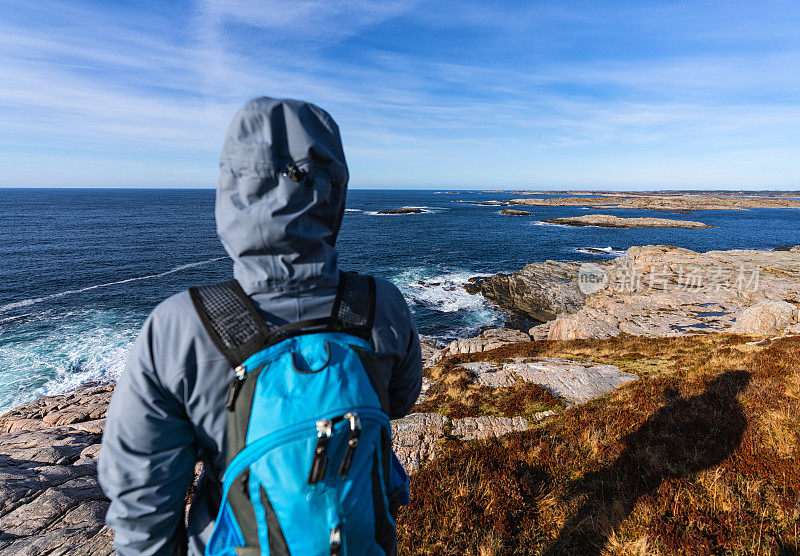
(582, 326)
(607, 221)
(430, 348)
(515, 212)
(415, 438)
(50, 501)
(475, 428)
(767, 317)
(654, 290)
(540, 291)
(540, 331)
(487, 340)
(576, 382)
(403, 211)
(79, 408)
(656, 201)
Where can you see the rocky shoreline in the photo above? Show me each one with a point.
(654, 291)
(50, 502)
(655, 201)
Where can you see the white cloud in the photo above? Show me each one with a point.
(160, 90)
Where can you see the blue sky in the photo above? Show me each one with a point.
(464, 94)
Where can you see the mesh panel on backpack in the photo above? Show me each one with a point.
(355, 308)
(228, 315)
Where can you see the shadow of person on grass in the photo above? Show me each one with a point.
(684, 437)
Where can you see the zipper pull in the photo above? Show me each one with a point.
(336, 541)
(320, 461)
(352, 444)
(236, 385)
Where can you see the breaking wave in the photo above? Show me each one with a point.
(66, 350)
(430, 292)
(600, 251)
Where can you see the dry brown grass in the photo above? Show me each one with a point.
(700, 456)
(455, 394)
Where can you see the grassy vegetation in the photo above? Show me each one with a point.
(700, 456)
(456, 394)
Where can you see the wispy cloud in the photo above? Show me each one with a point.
(470, 94)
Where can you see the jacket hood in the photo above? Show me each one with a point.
(281, 195)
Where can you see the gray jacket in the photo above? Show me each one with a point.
(280, 203)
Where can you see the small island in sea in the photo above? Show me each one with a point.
(407, 210)
(607, 221)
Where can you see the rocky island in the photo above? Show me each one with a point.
(607, 221)
(407, 210)
(659, 201)
(515, 212)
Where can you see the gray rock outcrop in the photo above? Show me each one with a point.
(540, 291)
(487, 340)
(576, 382)
(50, 501)
(654, 290)
(767, 317)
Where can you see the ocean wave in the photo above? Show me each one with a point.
(352, 210)
(34, 300)
(540, 223)
(443, 292)
(92, 345)
(610, 251)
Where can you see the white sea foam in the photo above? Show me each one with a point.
(540, 223)
(92, 345)
(445, 293)
(34, 300)
(352, 210)
(376, 213)
(600, 251)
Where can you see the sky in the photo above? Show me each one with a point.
(465, 94)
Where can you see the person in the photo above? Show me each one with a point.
(168, 409)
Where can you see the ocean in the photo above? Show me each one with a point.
(81, 269)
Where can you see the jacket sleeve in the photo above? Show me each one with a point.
(147, 457)
(406, 380)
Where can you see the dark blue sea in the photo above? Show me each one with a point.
(81, 269)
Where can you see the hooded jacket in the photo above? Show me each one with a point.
(280, 202)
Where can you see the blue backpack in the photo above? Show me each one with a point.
(309, 462)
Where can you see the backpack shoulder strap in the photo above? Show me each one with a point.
(354, 307)
(231, 320)
(238, 329)
(353, 311)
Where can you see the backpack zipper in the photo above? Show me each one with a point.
(240, 373)
(271, 441)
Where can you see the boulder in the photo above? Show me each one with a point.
(540, 291)
(767, 317)
(580, 325)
